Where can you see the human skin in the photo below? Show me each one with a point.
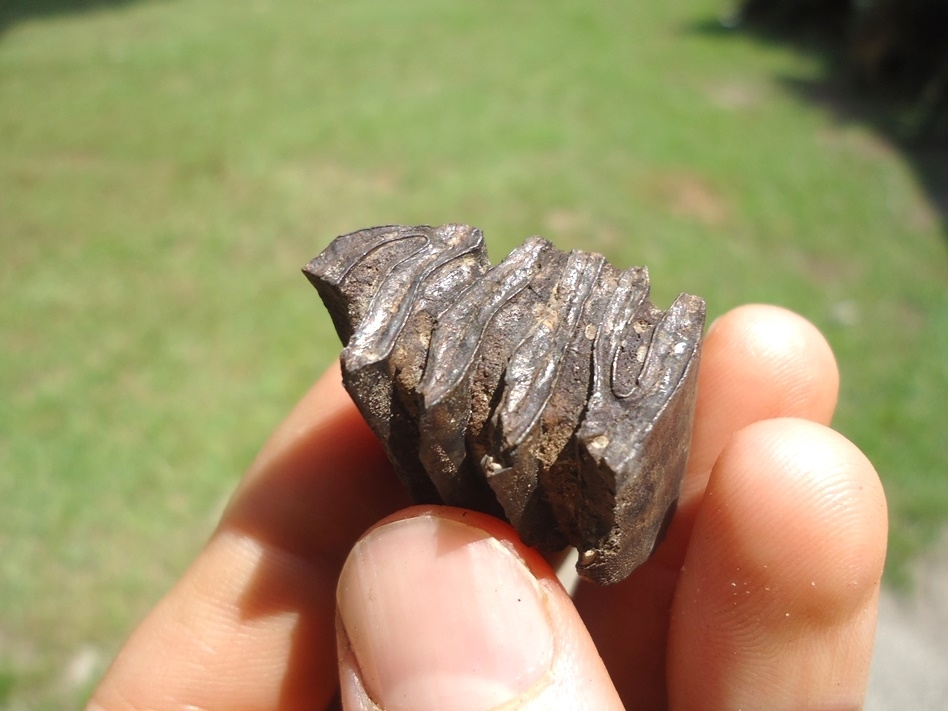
(763, 595)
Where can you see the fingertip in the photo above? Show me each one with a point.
(758, 362)
(777, 348)
(801, 492)
(444, 608)
(780, 581)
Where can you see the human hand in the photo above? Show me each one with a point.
(763, 595)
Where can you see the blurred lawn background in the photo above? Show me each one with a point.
(166, 168)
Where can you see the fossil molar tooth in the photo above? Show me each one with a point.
(547, 390)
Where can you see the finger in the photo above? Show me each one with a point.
(776, 607)
(446, 609)
(320, 481)
(758, 362)
(251, 623)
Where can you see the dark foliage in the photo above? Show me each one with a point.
(897, 49)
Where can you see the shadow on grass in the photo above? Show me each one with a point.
(14, 11)
(838, 97)
(839, 94)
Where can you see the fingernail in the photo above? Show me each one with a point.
(440, 615)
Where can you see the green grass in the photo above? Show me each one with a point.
(167, 167)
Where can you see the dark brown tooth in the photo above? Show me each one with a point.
(633, 441)
(547, 390)
(463, 380)
(384, 287)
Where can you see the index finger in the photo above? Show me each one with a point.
(251, 623)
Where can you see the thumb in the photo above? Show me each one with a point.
(442, 608)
